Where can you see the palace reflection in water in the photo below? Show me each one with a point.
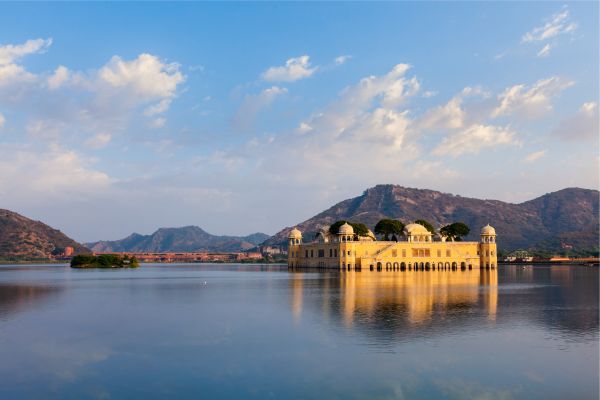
(416, 296)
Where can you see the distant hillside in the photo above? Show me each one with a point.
(23, 238)
(187, 238)
(555, 222)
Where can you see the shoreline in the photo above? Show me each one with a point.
(66, 262)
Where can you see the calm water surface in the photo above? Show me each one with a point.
(240, 331)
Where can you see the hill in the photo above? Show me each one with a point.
(565, 221)
(184, 239)
(22, 238)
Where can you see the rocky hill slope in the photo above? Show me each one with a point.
(23, 238)
(187, 238)
(566, 220)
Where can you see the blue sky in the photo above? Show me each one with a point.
(244, 117)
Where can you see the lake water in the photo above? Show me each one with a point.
(257, 332)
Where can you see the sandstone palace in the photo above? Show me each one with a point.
(417, 251)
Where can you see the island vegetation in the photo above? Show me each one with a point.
(104, 261)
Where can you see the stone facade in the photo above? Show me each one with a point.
(347, 251)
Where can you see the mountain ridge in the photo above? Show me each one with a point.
(565, 219)
(180, 239)
(24, 238)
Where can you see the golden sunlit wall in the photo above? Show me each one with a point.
(343, 252)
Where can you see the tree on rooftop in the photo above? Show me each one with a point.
(360, 229)
(426, 224)
(387, 227)
(455, 231)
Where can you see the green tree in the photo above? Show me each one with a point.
(387, 227)
(360, 229)
(455, 231)
(82, 259)
(104, 261)
(426, 224)
(334, 229)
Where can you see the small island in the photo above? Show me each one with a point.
(104, 261)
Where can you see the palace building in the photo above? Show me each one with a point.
(419, 251)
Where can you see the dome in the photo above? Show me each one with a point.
(416, 229)
(488, 230)
(346, 229)
(295, 234)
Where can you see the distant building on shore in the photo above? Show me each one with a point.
(191, 257)
(271, 250)
(419, 251)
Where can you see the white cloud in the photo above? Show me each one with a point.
(533, 157)
(429, 93)
(46, 129)
(159, 107)
(2, 121)
(10, 72)
(51, 174)
(294, 69)
(545, 51)
(98, 141)
(253, 104)
(367, 110)
(475, 138)
(11, 53)
(530, 102)
(72, 105)
(365, 130)
(557, 24)
(146, 76)
(450, 115)
(304, 127)
(447, 116)
(158, 123)
(342, 59)
(581, 126)
(60, 76)
(13, 74)
(589, 108)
